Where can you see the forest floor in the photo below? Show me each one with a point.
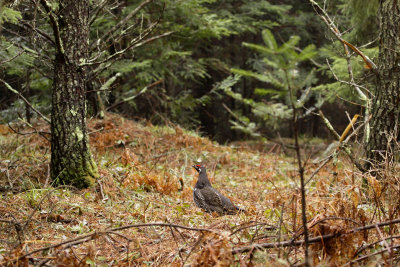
(129, 217)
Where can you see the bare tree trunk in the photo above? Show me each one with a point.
(71, 160)
(386, 105)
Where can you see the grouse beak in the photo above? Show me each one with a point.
(196, 167)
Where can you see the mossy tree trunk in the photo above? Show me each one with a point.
(71, 160)
(386, 104)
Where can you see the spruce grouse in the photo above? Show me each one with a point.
(208, 198)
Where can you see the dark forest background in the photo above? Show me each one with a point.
(197, 71)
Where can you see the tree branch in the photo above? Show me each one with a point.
(372, 254)
(332, 27)
(136, 42)
(41, 133)
(341, 140)
(106, 37)
(40, 32)
(118, 54)
(152, 39)
(25, 100)
(134, 96)
(55, 26)
(85, 238)
(351, 83)
(100, 7)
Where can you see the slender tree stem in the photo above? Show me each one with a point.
(301, 171)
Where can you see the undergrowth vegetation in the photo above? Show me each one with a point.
(141, 210)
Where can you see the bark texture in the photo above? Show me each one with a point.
(385, 107)
(71, 160)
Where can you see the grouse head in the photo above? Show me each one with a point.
(199, 168)
(202, 181)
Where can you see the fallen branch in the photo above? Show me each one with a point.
(318, 239)
(370, 255)
(270, 227)
(288, 243)
(85, 238)
(160, 224)
(361, 249)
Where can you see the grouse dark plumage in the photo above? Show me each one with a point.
(208, 198)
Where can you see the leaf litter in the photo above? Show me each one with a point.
(146, 177)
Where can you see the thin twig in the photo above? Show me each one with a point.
(11, 58)
(119, 53)
(96, 13)
(252, 225)
(280, 230)
(319, 168)
(106, 37)
(177, 244)
(193, 248)
(351, 83)
(343, 142)
(383, 239)
(134, 96)
(160, 224)
(41, 133)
